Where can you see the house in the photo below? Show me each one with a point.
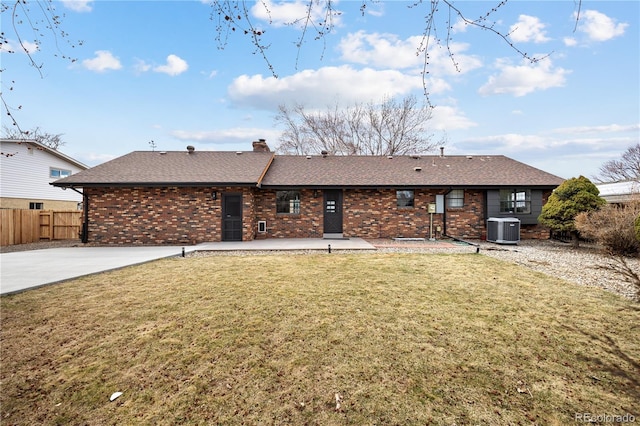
(619, 192)
(191, 197)
(27, 168)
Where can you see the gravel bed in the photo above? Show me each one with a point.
(585, 266)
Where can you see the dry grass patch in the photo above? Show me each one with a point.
(401, 338)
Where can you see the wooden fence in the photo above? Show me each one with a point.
(30, 226)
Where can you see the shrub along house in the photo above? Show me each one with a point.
(191, 197)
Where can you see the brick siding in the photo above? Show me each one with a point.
(190, 215)
(160, 215)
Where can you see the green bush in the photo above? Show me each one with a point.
(572, 197)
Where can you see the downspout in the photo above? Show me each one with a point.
(444, 214)
(84, 235)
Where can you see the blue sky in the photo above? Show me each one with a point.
(153, 70)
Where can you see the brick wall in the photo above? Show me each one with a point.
(190, 215)
(160, 215)
(307, 224)
(373, 213)
(468, 221)
(367, 213)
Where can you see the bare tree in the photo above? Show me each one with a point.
(625, 168)
(391, 128)
(317, 21)
(26, 26)
(53, 141)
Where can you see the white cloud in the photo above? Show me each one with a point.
(387, 50)
(104, 61)
(460, 26)
(78, 5)
(609, 128)
(524, 79)
(14, 46)
(233, 136)
(296, 13)
(562, 155)
(141, 66)
(599, 27)
(570, 41)
(174, 66)
(324, 86)
(449, 118)
(528, 29)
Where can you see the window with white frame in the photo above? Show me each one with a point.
(288, 202)
(516, 201)
(455, 198)
(58, 173)
(405, 199)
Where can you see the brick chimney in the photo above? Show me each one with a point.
(261, 146)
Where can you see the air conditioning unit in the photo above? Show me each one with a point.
(503, 230)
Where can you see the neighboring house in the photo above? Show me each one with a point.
(26, 170)
(619, 192)
(192, 197)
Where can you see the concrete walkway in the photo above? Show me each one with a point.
(30, 269)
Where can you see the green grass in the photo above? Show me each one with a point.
(401, 338)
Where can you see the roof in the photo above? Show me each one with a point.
(211, 168)
(617, 192)
(175, 168)
(418, 171)
(45, 148)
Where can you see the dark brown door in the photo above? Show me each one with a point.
(231, 217)
(333, 211)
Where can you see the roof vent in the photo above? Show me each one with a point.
(308, 157)
(442, 151)
(469, 157)
(390, 157)
(324, 153)
(417, 169)
(162, 152)
(238, 152)
(415, 156)
(190, 149)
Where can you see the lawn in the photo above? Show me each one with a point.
(392, 338)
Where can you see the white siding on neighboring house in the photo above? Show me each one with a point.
(25, 172)
(619, 192)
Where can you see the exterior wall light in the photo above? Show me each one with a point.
(214, 195)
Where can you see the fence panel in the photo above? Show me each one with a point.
(46, 224)
(30, 226)
(19, 226)
(66, 225)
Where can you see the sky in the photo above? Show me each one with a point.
(158, 71)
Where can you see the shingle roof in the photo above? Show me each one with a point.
(249, 168)
(467, 171)
(175, 168)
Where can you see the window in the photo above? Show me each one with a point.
(455, 198)
(405, 198)
(36, 206)
(59, 173)
(517, 201)
(288, 202)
